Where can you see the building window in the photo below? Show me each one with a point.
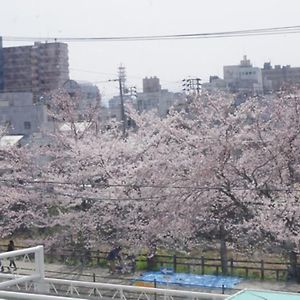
(27, 125)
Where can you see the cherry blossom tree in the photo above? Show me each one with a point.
(214, 171)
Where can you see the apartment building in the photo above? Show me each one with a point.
(38, 68)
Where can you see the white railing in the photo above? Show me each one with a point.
(114, 291)
(118, 291)
(20, 296)
(39, 270)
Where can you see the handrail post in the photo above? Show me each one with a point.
(98, 257)
(202, 265)
(174, 263)
(262, 269)
(94, 280)
(122, 297)
(40, 285)
(231, 266)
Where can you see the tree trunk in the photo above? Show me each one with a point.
(223, 251)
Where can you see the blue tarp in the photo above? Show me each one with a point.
(190, 279)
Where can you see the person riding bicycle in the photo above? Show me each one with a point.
(111, 258)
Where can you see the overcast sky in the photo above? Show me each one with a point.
(171, 61)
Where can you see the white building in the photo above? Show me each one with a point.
(244, 77)
(20, 115)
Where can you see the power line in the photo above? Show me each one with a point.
(84, 197)
(22, 182)
(220, 34)
(114, 74)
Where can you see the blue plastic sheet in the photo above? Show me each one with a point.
(190, 279)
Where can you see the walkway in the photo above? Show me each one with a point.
(100, 274)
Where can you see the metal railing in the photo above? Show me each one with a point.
(69, 288)
(27, 296)
(38, 273)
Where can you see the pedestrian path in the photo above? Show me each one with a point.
(101, 274)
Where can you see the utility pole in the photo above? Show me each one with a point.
(123, 117)
(192, 84)
(121, 79)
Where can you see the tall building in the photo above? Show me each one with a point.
(151, 85)
(275, 78)
(243, 77)
(39, 68)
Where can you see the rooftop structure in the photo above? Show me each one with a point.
(9, 140)
(267, 295)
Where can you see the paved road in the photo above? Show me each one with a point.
(78, 272)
